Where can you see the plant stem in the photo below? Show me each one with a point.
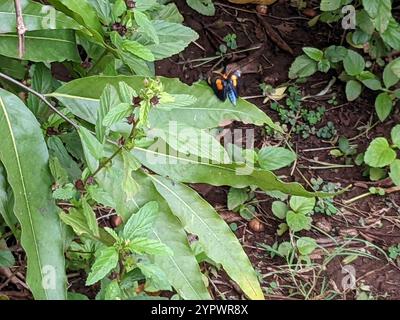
(21, 29)
(40, 96)
(102, 165)
(356, 198)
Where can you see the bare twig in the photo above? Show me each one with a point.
(40, 96)
(21, 29)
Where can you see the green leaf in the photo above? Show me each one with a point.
(181, 269)
(395, 172)
(36, 17)
(66, 192)
(106, 260)
(138, 50)
(182, 169)
(383, 106)
(204, 7)
(395, 67)
(392, 34)
(298, 221)
(389, 77)
(113, 291)
(24, 155)
(6, 257)
(364, 22)
(353, 63)
(91, 146)
(336, 54)
(6, 201)
(90, 218)
(156, 279)
(330, 5)
(236, 197)
(146, 26)
(78, 222)
(13, 67)
(353, 90)
(84, 13)
(279, 209)
(324, 65)
(302, 205)
(129, 185)
(372, 84)
(103, 10)
(207, 112)
(274, 158)
(173, 38)
(302, 67)
(42, 46)
(149, 246)
(395, 135)
(108, 100)
(379, 154)
(118, 113)
(193, 142)
(218, 241)
(313, 53)
(306, 245)
(141, 223)
(380, 11)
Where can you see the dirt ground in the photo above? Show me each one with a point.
(374, 220)
(367, 226)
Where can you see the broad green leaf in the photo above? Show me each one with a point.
(169, 12)
(302, 205)
(173, 38)
(372, 84)
(395, 135)
(42, 46)
(182, 169)
(379, 154)
(59, 174)
(156, 279)
(138, 50)
(146, 26)
(383, 105)
(58, 150)
(106, 260)
(395, 172)
(193, 142)
(353, 63)
(83, 12)
(129, 185)
(330, 5)
(117, 114)
(274, 158)
(108, 99)
(77, 221)
(207, 112)
(6, 201)
(205, 7)
(43, 82)
(302, 67)
(36, 17)
(314, 53)
(353, 90)
(298, 221)
(364, 22)
(396, 67)
(103, 10)
(7, 259)
(236, 197)
(149, 246)
(279, 209)
(389, 77)
(392, 34)
(13, 67)
(306, 245)
(90, 218)
(113, 291)
(91, 146)
(380, 11)
(141, 223)
(220, 244)
(181, 268)
(335, 54)
(24, 155)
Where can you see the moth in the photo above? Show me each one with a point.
(225, 85)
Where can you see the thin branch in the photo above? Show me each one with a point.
(21, 29)
(40, 96)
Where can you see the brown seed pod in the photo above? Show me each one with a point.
(309, 12)
(116, 221)
(262, 9)
(256, 225)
